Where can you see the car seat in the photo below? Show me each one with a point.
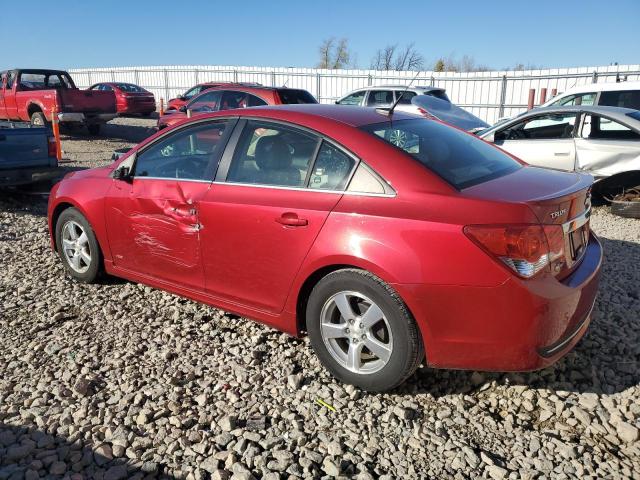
(274, 161)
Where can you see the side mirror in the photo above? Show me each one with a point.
(183, 109)
(122, 173)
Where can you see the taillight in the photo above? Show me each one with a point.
(525, 249)
(51, 147)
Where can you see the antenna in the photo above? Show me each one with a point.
(389, 111)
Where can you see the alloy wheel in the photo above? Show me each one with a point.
(356, 332)
(75, 246)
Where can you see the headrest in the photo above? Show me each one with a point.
(272, 153)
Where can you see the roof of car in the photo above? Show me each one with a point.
(596, 87)
(349, 115)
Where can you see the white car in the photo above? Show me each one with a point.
(602, 141)
(613, 94)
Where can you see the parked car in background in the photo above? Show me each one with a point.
(316, 223)
(27, 154)
(229, 97)
(613, 94)
(130, 98)
(176, 103)
(31, 95)
(425, 101)
(603, 141)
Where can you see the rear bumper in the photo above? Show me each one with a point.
(137, 108)
(519, 325)
(24, 176)
(79, 117)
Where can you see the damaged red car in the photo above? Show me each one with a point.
(310, 218)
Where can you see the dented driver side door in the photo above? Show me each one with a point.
(152, 216)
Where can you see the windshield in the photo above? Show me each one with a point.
(295, 96)
(130, 87)
(460, 158)
(448, 112)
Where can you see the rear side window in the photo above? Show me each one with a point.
(458, 157)
(331, 169)
(270, 154)
(405, 97)
(290, 96)
(625, 98)
(595, 127)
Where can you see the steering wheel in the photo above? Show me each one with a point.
(516, 134)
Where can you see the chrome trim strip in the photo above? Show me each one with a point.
(577, 222)
(277, 187)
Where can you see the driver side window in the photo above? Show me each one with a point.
(207, 102)
(543, 127)
(188, 154)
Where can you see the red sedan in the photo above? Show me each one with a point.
(181, 100)
(308, 218)
(130, 98)
(228, 97)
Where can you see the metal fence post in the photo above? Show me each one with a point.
(503, 96)
(594, 78)
(136, 77)
(318, 85)
(197, 76)
(273, 78)
(113, 76)
(89, 78)
(235, 76)
(166, 84)
(369, 80)
(432, 81)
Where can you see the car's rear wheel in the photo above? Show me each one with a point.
(362, 331)
(77, 246)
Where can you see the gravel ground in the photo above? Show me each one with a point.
(119, 380)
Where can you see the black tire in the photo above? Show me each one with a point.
(146, 114)
(94, 129)
(38, 119)
(91, 274)
(407, 351)
(626, 209)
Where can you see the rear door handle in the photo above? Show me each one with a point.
(291, 219)
(561, 154)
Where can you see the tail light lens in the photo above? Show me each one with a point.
(51, 147)
(525, 249)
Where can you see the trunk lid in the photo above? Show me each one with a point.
(87, 101)
(556, 198)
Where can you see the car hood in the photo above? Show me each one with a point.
(448, 112)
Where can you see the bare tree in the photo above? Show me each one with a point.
(334, 54)
(392, 58)
(439, 66)
(466, 64)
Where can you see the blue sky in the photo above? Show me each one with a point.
(500, 33)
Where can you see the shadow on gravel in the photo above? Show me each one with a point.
(29, 452)
(605, 361)
(129, 133)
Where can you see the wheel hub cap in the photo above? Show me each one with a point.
(75, 246)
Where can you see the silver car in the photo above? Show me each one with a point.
(602, 141)
(424, 101)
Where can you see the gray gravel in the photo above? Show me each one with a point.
(119, 380)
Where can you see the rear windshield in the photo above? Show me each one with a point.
(295, 96)
(36, 80)
(460, 158)
(130, 87)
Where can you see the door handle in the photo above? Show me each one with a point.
(561, 154)
(184, 212)
(291, 219)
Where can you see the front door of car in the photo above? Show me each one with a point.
(605, 147)
(272, 195)
(544, 140)
(152, 216)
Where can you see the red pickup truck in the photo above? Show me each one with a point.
(31, 95)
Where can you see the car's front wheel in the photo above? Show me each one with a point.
(362, 331)
(77, 246)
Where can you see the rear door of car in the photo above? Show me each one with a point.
(274, 189)
(544, 140)
(605, 147)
